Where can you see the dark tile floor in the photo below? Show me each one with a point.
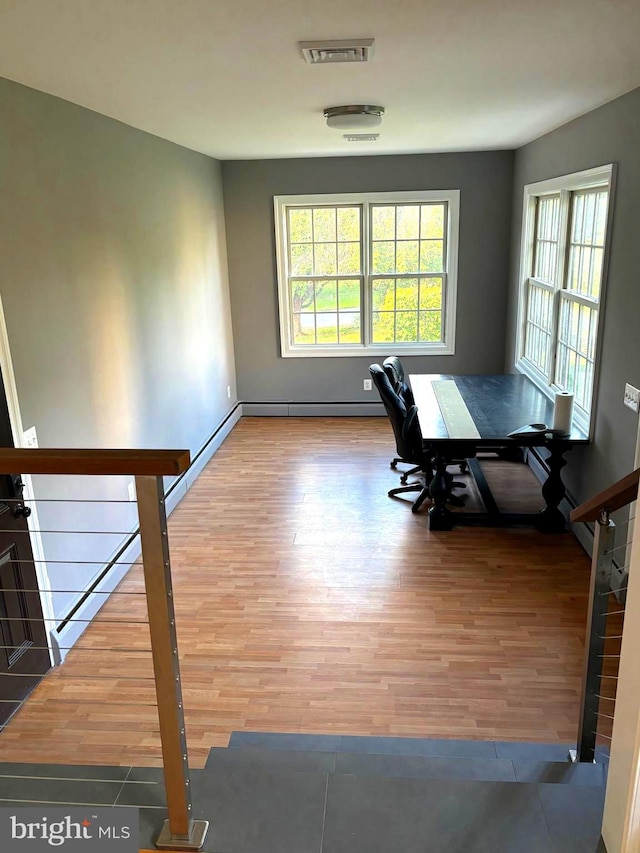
(295, 794)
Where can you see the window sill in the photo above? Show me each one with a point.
(581, 421)
(379, 351)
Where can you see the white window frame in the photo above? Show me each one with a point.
(368, 348)
(601, 176)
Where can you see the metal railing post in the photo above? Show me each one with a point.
(599, 589)
(180, 831)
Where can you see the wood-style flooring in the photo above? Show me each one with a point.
(309, 601)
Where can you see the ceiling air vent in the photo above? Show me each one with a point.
(342, 50)
(360, 137)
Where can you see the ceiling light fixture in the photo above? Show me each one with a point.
(354, 117)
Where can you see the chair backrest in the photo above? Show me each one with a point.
(392, 366)
(404, 421)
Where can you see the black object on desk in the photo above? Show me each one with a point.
(460, 415)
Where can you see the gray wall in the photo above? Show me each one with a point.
(608, 134)
(485, 182)
(115, 290)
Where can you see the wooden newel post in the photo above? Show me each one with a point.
(180, 831)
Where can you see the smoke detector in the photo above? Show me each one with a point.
(340, 50)
(354, 117)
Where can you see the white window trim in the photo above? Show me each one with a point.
(586, 179)
(447, 347)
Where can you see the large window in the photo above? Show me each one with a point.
(564, 240)
(363, 273)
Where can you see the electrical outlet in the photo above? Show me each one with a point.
(132, 490)
(367, 385)
(229, 391)
(631, 397)
(29, 437)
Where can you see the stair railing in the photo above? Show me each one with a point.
(148, 467)
(605, 609)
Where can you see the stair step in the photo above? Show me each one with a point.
(280, 741)
(424, 767)
(431, 747)
(558, 772)
(406, 766)
(258, 758)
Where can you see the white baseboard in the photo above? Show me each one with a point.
(62, 639)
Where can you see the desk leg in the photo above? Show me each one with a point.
(440, 518)
(551, 520)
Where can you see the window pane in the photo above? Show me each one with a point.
(407, 256)
(324, 224)
(383, 222)
(383, 257)
(302, 259)
(586, 249)
(432, 221)
(327, 328)
(407, 294)
(431, 294)
(407, 326)
(348, 223)
(407, 222)
(396, 303)
(349, 295)
(304, 328)
(383, 294)
(546, 238)
(430, 326)
(348, 258)
(300, 225)
(326, 295)
(325, 261)
(315, 312)
(407, 253)
(349, 329)
(383, 327)
(576, 349)
(302, 296)
(431, 259)
(538, 327)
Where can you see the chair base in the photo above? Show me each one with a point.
(425, 494)
(408, 473)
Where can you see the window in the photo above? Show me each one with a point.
(359, 273)
(562, 278)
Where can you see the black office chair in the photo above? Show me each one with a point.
(392, 366)
(409, 444)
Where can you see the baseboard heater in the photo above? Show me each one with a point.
(289, 409)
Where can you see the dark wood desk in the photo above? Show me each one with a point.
(495, 406)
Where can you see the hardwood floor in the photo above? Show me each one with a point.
(308, 601)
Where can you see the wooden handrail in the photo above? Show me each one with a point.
(156, 463)
(615, 497)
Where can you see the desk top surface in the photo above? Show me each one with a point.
(497, 404)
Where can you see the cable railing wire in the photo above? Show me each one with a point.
(96, 619)
(77, 648)
(133, 533)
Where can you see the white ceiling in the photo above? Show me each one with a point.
(225, 77)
